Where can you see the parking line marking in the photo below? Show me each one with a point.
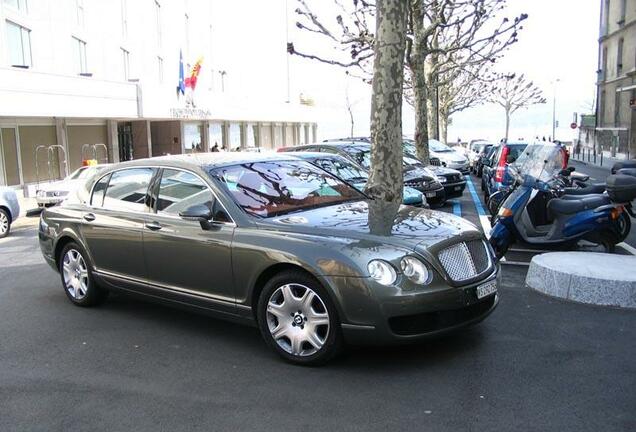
(627, 247)
(457, 207)
(473, 194)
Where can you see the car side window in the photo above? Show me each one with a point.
(127, 189)
(97, 199)
(180, 190)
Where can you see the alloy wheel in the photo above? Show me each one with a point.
(75, 274)
(297, 319)
(4, 223)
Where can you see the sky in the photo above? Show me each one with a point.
(559, 41)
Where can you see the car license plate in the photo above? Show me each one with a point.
(458, 188)
(430, 194)
(486, 289)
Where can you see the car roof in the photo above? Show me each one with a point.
(205, 160)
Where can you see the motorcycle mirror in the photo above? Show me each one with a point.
(571, 169)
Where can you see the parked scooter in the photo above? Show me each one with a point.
(538, 212)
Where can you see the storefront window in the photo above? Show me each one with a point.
(250, 135)
(193, 137)
(215, 131)
(235, 136)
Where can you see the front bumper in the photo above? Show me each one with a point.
(454, 190)
(463, 168)
(434, 197)
(398, 316)
(49, 200)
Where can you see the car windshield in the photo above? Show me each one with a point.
(541, 161)
(273, 188)
(342, 168)
(438, 147)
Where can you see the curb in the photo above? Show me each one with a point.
(585, 277)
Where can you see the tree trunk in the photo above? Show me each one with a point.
(418, 78)
(507, 124)
(432, 93)
(443, 126)
(385, 179)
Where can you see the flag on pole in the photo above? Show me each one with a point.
(191, 81)
(181, 85)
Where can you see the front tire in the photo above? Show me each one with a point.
(77, 277)
(298, 320)
(624, 225)
(5, 223)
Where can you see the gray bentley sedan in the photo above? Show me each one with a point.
(274, 241)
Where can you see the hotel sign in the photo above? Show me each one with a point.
(189, 113)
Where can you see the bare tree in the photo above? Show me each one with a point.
(515, 92)
(385, 180)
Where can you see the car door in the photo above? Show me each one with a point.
(180, 254)
(112, 227)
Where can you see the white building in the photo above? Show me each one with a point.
(83, 79)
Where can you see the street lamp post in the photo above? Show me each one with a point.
(554, 110)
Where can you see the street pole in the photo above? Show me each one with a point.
(287, 41)
(554, 110)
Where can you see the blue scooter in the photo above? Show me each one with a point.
(538, 212)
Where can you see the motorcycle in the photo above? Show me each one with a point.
(538, 211)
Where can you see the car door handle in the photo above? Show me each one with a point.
(153, 226)
(89, 217)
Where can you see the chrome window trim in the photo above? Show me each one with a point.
(158, 167)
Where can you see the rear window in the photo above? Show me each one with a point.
(516, 150)
(127, 189)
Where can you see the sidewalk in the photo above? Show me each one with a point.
(604, 162)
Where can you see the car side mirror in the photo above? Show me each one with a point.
(200, 213)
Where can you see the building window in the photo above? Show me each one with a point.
(606, 13)
(623, 12)
(619, 57)
(79, 47)
(604, 74)
(160, 69)
(617, 109)
(20, 5)
(80, 12)
(158, 22)
(125, 56)
(19, 43)
(601, 108)
(124, 18)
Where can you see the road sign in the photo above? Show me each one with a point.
(573, 125)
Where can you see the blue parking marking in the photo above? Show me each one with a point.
(457, 207)
(473, 194)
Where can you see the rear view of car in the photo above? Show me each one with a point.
(9, 210)
(498, 175)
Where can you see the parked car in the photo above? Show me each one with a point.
(359, 152)
(9, 210)
(449, 157)
(452, 180)
(272, 241)
(49, 194)
(355, 175)
(496, 172)
(477, 154)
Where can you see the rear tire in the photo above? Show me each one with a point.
(624, 226)
(77, 277)
(298, 320)
(5, 223)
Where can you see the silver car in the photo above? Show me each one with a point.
(449, 157)
(9, 210)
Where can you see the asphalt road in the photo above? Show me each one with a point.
(537, 364)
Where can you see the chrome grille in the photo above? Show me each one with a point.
(465, 260)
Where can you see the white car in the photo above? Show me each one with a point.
(9, 210)
(49, 194)
(449, 157)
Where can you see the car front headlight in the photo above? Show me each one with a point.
(441, 179)
(415, 270)
(382, 272)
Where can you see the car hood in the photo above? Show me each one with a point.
(450, 157)
(438, 170)
(413, 173)
(370, 220)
